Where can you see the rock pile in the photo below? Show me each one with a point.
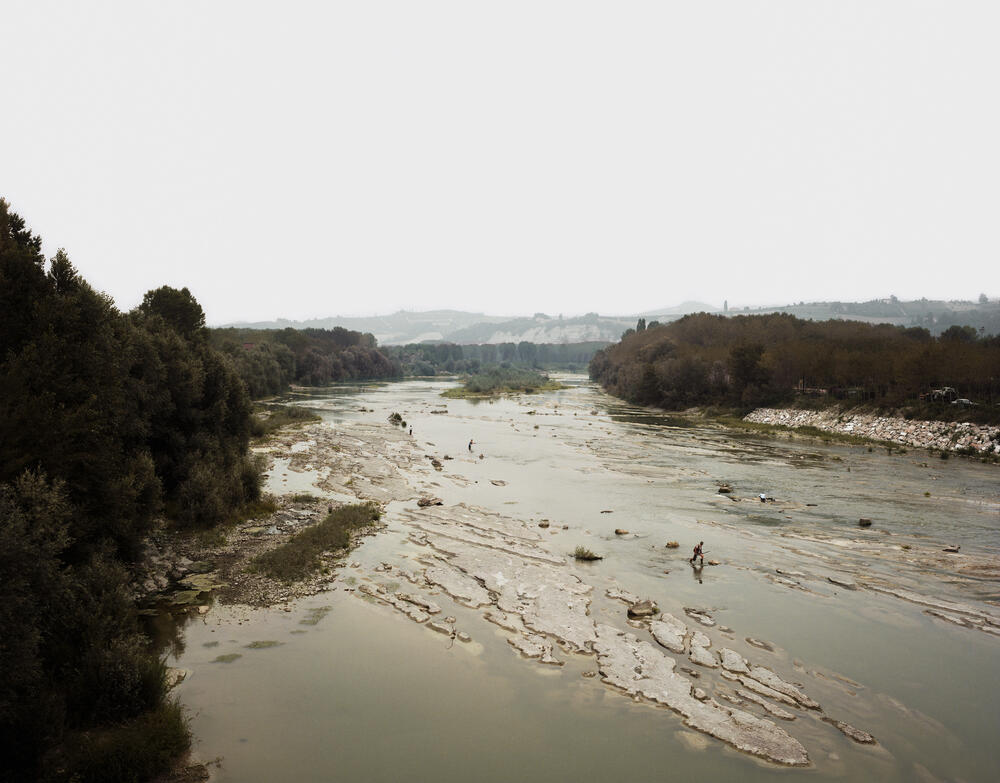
(941, 435)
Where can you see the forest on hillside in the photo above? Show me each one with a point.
(109, 421)
(749, 361)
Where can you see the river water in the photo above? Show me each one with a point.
(355, 691)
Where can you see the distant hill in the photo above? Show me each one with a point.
(935, 315)
(456, 326)
(541, 328)
(396, 329)
(682, 309)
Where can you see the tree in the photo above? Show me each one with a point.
(745, 367)
(178, 308)
(959, 334)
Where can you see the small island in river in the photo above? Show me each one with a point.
(503, 381)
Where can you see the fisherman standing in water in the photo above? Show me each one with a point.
(470, 445)
(698, 552)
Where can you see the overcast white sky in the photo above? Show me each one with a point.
(292, 159)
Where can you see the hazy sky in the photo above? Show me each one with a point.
(291, 159)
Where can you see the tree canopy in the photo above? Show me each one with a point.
(107, 419)
(745, 361)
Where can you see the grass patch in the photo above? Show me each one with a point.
(313, 616)
(268, 419)
(132, 752)
(259, 509)
(304, 497)
(499, 381)
(582, 553)
(300, 556)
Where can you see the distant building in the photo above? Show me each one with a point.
(725, 306)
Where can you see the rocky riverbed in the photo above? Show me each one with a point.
(476, 554)
(940, 435)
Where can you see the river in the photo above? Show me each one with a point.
(354, 690)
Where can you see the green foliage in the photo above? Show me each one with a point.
(133, 752)
(503, 380)
(582, 553)
(269, 360)
(426, 359)
(106, 419)
(34, 525)
(77, 658)
(178, 308)
(748, 361)
(300, 556)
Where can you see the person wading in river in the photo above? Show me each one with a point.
(470, 445)
(698, 552)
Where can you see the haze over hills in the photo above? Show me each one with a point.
(467, 328)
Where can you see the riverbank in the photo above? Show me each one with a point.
(944, 436)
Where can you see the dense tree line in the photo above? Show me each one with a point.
(107, 419)
(746, 361)
(423, 359)
(270, 360)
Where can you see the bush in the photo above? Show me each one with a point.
(503, 380)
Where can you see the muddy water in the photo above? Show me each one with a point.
(364, 694)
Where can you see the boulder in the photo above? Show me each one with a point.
(643, 609)
(864, 522)
(733, 661)
(620, 531)
(670, 632)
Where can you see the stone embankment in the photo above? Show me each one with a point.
(941, 435)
